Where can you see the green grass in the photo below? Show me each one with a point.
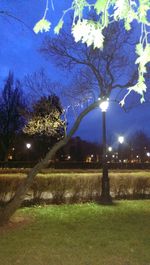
(83, 234)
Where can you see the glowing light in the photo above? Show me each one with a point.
(121, 139)
(28, 145)
(104, 104)
(109, 148)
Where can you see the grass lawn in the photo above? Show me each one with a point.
(83, 234)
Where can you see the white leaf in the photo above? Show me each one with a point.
(42, 25)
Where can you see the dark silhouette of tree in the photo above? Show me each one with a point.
(40, 85)
(109, 69)
(140, 144)
(12, 119)
(75, 150)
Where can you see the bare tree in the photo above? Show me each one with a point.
(38, 84)
(112, 68)
(140, 144)
(12, 119)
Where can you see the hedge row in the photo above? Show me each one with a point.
(70, 189)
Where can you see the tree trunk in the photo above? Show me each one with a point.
(6, 156)
(5, 147)
(14, 204)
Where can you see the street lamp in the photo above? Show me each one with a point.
(121, 141)
(148, 156)
(109, 148)
(28, 145)
(105, 197)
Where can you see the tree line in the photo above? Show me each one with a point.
(42, 117)
(42, 123)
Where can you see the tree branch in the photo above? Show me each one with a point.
(5, 13)
(15, 203)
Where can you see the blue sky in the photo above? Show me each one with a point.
(19, 53)
(18, 43)
(118, 123)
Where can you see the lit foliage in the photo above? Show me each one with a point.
(91, 32)
(49, 124)
(45, 119)
(42, 25)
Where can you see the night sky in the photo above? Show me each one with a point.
(19, 53)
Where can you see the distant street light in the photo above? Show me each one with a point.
(148, 154)
(121, 141)
(110, 149)
(28, 145)
(110, 152)
(105, 197)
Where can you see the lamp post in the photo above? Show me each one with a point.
(105, 197)
(110, 153)
(121, 141)
(28, 146)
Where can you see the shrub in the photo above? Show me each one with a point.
(8, 187)
(75, 187)
(121, 187)
(141, 187)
